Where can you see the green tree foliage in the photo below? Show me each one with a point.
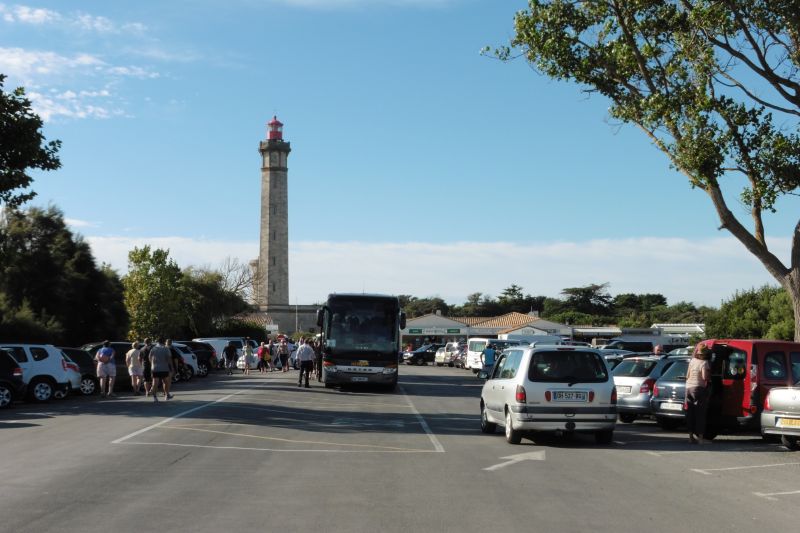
(49, 282)
(592, 299)
(155, 294)
(22, 147)
(234, 327)
(208, 302)
(764, 313)
(415, 307)
(714, 85)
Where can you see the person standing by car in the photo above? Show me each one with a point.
(305, 357)
(487, 357)
(161, 362)
(697, 392)
(134, 364)
(247, 350)
(658, 350)
(106, 369)
(147, 368)
(230, 357)
(283, 353)
(260, 353)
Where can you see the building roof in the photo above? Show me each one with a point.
(470, 320)
(261, 319)
(508, 320)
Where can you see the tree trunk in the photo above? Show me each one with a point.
(792, 287)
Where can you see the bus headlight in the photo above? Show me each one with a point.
(389, 370)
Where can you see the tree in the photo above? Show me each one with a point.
(715, 85)
(592, 299)
(755, 314)
(210, 301)
(48, 276)
(155, 295)
(22, 147)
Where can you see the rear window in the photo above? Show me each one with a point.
(477, 346)
(677, 372)
(634, 368)
(7, 363)
(567, 366)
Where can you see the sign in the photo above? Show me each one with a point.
(454, 330)
(413, 331)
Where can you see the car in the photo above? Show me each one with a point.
(781, 414)
(476, 346)
(669, 394)
(189, 360)
(421, 356)
(446, 354)
(219, 344)
(12, 386)
(634, 379)
(549, 389)
(207, 358)
(88, 369)
(46, 370)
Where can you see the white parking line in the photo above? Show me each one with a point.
(148, 428)
(771, 495)
(708, 471)
(436, 444)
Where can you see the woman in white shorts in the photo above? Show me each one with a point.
(135, 367)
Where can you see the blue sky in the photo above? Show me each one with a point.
(418, 166)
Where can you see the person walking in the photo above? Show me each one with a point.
(135, 369)
(318, 358)
(161, 362)
(260, 356)
(177, 365)
(106, 369)
(272, 355)
(283, 353)
(698, 376)
(230, 357)
(487, 357)
(305, 357)
(247, 350)
(147, 368)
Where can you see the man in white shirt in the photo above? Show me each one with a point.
(305, 358)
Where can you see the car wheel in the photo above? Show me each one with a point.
(667, 423)
(772, 439)
(176, 377)
(451, 365)
(513, 436)
(41, 390)
(627, 418)
(88, 385)
(604, 437)
(710, 433)
(486, 426)
(791, 442)
(5, 396)
(328, 385)
(188, 373)
(202, 369)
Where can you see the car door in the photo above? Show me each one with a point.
(493, 391)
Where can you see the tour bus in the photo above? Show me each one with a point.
(360, 339)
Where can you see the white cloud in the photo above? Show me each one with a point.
(20, 14)
(76, 223)
(700, 271)
(69, 104)
(29, 64)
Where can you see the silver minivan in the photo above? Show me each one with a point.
(549, 389)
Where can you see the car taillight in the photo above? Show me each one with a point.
(767, 406)
(547, 395)
(327, 363)
(17, 373)
(655, 390)
(69, 366)
(521, 397)
(614, 395)
(591, 395)
(647, 386)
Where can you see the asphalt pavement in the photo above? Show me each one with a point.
(257, 453)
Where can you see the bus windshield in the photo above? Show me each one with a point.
(361, 324)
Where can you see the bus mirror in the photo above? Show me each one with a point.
(402, 320)
(320, 316)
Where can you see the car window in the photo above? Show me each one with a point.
(635, 368)
(733, 364)
(7, 364)
(477, 346)
(512, 361)
(794, 357)
(18, 352)
(567, 366)
(775, 365)
(498, 367)
(677, 372)
(237, 344)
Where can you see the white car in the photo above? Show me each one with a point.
(446, 354)
(47, 371)
(189, 358)
(549, 389)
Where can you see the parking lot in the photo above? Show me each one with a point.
(256, 452)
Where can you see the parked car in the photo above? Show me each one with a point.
(781, 414)
(635, 378)
(421, 356)
(446, 354)
(669, 394)
(207, 357)
(46, 370)
(460, 359)
(87, 367)
(554, 389)
(219, 344)
(12, 386)
(189, 359)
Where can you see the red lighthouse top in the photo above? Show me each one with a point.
(275, 129)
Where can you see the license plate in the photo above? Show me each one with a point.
(361, 363)
(790, 422)
(359, 378)
(570, 396)
(672, 406)
(623, 389)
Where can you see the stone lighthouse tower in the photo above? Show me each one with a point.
(272, 266)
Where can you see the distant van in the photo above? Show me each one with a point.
(742, 373)
(476, 346)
